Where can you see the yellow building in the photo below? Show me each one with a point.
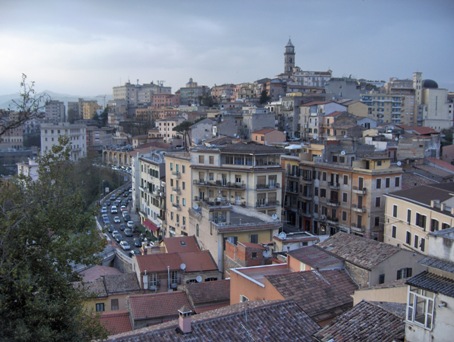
(410, 215)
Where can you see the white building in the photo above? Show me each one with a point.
(77, 134)
(166, 126)
(28, 169)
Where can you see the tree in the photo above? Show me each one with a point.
(45, 227)
(184, 128)
(30, 106)
(264, 97)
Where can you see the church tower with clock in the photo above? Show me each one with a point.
(289, 58)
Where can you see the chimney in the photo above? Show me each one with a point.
(184, 319)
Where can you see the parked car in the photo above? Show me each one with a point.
(125, 245)
(130, 224)
(104, 210)
(117, 237)
(128, 232)
(122, 226)
(106, 219)
(137, 242)
(109, 228)
(117, 219)
(113, 209)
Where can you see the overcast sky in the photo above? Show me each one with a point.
(86, 47)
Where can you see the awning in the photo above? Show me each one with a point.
(150, 225)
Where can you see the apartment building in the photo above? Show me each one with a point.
(55, 111)
(310, 119)
(178, 192)
(410, 215)
(75, 132)
(152, 192)
(166, 127)
(340, 190)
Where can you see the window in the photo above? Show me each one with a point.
(378, 183)
(404, 273)
(394, 210)
(201, 159)
(416, 241)
(99, 307)
(243, 299)
(183, 201)
(237, 178)
(183, 168)
(433, 225)
(345, 180)
(114, 304)
(420, 307)
(377, 221)
(211, 159)
(323, 193)
(197, 230)
(254, 238)
(183, 185)
(422, 245)
(387, 182)
(408, 216)
(421, 220)
(393, 231)
(397, 181)
(381, 278)
(408, 238)
(445, 226)
(254, 255)
(324, 176)
(344, 197)
(377, 202)
(171, 166)
(316, 191)
(344, 216)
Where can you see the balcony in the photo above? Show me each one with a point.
(359, 191)
(307, 180)
(176, 190)
(306, 196)
(332, 203)
(270, 204)
(217, 184)
(292, 190)
(306, 214)
(176, 206)
(332, 220)
(176, 175)
(292, 175)
(270, 186)
(358, 209)
(358, 228)
(334, 185)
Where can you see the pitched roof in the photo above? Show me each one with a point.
(97, 271)
(122, 283)
(194, 261)
(423, 194)
(264, 131)
(444, 265)
(209, 292)
(434, 283)
(249, 321)
(441, 164)
(321, 295)
(367, 321)
(178, 244)
(115, 322)
(316, 257)
(418, 129)
(365, 253)
(150, 306)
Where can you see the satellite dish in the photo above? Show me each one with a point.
(282, 235)
(183, 266)
(195, 206)
(274, 216)
(399, 163)
(199, 279)
(342, 153)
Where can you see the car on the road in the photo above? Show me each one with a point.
(130, 224)
(128, 232)
(122, 226)
(106, 219)
(125, 245)
(123, 208)
(113, 209)
(116, 219)
(134, 252)
(124, 213)
(107, 203)
(137, 242)
(104, 210)
(109, 228)
(127, 218)
(117, 237)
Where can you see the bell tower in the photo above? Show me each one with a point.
(289, 57)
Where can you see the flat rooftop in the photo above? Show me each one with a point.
(258, 273)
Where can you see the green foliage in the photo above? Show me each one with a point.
(45, 227)
(264, 97)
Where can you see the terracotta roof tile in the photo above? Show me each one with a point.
(322, 295)
(367, 321)
(116, 322)
(194, 261)
(122, 283)
(97, 271)
(366, 253)
(157, 305)
(264, 131)
(250, 321)
(181, 244)
(317, 258)
(209, 292)
(434, 283)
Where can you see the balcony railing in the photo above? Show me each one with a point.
(176, 174)
(334, 185)
(307, 196)
(270, 186)
(358, 209)
(332, 203)
(176, 206)
(332, 220)
(260, 204)
(217, 184)
(360, 191)
(176, 190)
(307, 180)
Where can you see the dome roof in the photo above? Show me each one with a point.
(429, 84)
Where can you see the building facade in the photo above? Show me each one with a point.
(77, 134)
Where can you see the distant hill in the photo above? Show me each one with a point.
(6, 100)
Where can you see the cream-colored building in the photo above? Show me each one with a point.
(178, 192)
(410, 215)
(166, 126)
(77, 134)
